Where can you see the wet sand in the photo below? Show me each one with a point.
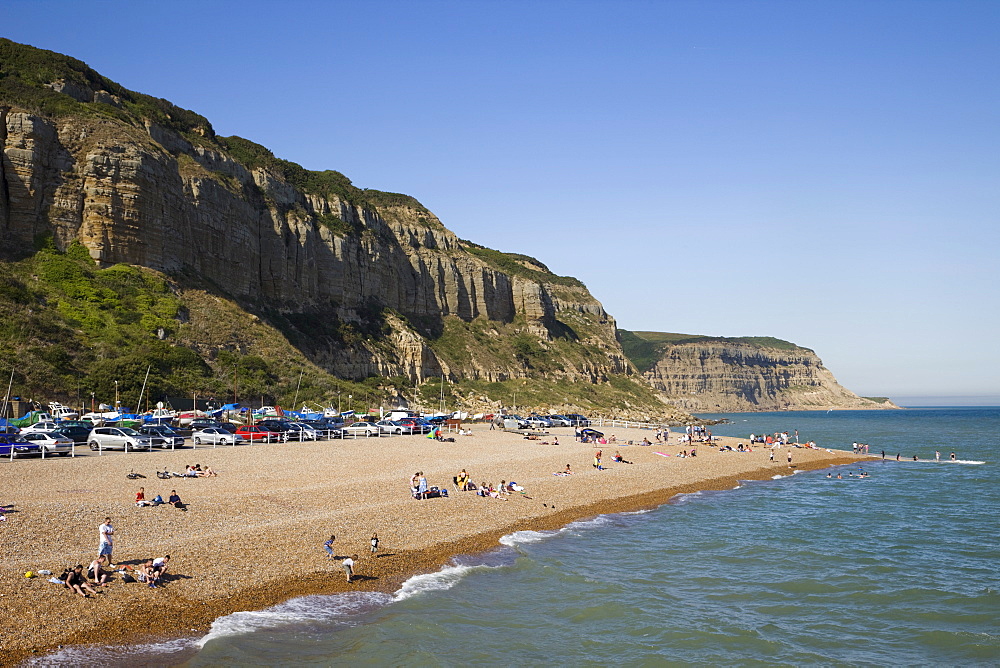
(253, 536)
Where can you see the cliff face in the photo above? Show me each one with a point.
(312, 259)
(702, 374)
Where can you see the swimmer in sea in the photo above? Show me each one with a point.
(953, 456)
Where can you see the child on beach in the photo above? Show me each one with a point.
(328, 546)
(374, 542)
(348, 566)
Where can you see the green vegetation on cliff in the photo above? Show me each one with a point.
(514, 264)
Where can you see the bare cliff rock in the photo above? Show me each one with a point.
(729, 375)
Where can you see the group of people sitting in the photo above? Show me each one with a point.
(174, 499)
(150, 572)
(501, 492)
(196, 471)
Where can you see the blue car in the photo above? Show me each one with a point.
(18, 445)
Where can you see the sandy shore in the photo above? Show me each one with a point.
(253, 535)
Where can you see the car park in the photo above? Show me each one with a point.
(10, 443)
(254, 433)
(163, 435)
(49, 443)
(362, 428)
(111, 438)
(215, 436)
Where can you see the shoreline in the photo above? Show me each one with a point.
(403, 556)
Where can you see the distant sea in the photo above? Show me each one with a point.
(900, 568)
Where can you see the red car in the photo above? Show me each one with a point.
(255, 433)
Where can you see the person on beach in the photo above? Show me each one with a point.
(97, 573)
(414, 484)
(619, 459)
(175, 500)
(597, 461)
(160, 565)
(107, 544)
(140, 497)
(462, 481)
(77, 583)
(789, 457)
(772, 456)
(328, 546)
(422, 486)
(555, 440)
(348, 566)
(374, 542)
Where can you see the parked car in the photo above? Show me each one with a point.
(577, 420)
(560, 421)
(298, 431)
(110, 438)
(539, 422)
(394, 427)
(78, 430)
(169, 437)
(514, 419)
(201, 423)
(45, 426)
(358, 428)
(50, 443)
(418, 425)
(328, 428)
(253, 432)
(280, 426)
(216, 436)
(9, 442)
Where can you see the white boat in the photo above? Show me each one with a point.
(100, 418)
(60, 412)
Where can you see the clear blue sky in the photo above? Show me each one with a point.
(822, 172)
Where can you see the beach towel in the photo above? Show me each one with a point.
(662, 454)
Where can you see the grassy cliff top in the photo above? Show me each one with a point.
(645, 348)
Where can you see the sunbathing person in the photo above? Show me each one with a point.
(618, 458)
(77, 583)
(96, 571)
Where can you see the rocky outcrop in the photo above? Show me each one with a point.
(711, 375)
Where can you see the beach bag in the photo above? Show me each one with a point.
(444, 493)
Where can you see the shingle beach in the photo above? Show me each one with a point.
(253, 536)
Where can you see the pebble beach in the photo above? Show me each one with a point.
(253, 535)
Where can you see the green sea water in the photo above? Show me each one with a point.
(900, 568)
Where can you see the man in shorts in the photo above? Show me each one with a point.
(348, 565)
(107, 544)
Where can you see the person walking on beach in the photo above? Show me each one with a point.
(107, 544)
(374, 542)
(328, 546)
(348, 566)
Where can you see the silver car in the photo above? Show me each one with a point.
(110, 438)
(49, 443)
(215, 436)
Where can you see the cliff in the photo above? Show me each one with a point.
(727, 375)
(363, 283)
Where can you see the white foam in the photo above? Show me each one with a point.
(315, 608)
(446, 578)
(523, 537)
(102, 656)
(637, 512)
(776, 477)
(600, 520)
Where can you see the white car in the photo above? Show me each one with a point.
(215, 436)
(43, 427)
(394, 427)
(49, 443)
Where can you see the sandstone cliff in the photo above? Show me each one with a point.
(727, 375)
(365, 283)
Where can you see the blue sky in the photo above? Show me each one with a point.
(822, 172)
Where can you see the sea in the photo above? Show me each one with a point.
(898, 568)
